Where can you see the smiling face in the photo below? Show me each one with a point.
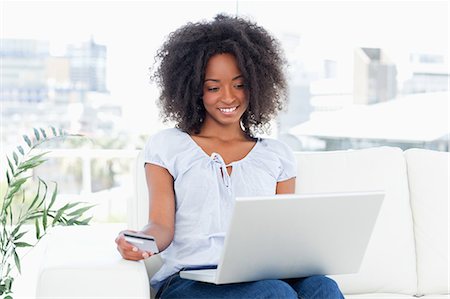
(224, 94)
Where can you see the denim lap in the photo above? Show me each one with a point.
(310, 287)
(318, 286)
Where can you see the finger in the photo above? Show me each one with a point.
(131, 255)
(125, 245)
(128, 251)
(147, 254)
(119, 237)
(139, 254)
(136, 252)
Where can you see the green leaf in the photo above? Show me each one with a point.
(10, 165)
(10, 215)
(16, 158)
(36, 197)
(57, 216)
(20, 235)
(30, 164)
(36, 157)
(44, 218)
(8, 179)
(79, 211)
(6, 205)
(20, 149)
(15, 187)
(62, 210)
(43, 132)
(36, 134)
(12, 192)
(45, 192)
(85, 221)
(33, 162)
(17, 261)
(27, 140)
(5, 286)
(72, 220)
(38, 231)
(20, 181)
(52, 201)
(36, 215)
(54, 131)
(15, 231)
(73, 204)
(22, 244)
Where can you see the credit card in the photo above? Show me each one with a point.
(142, 241)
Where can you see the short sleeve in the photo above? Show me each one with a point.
(158, 149)
(287, 168)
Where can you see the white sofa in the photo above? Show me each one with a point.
(407, 255)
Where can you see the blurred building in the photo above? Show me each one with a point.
(31, 75)
(375, 76)
(59, 85)
(300, 76)
(23, 70)
(416, 120)
(41, 90)
(88, 66)
(429, 73)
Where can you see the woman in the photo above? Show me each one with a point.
(220, 81)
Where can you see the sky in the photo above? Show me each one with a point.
(133, 30)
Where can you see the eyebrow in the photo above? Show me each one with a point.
(216, 80)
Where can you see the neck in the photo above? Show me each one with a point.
(231, 132)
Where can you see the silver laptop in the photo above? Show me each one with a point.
(295, 235)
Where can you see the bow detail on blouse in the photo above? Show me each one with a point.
(223, 167)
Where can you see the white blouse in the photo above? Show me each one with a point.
(205, 198)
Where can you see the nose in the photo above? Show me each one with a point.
(228, 95)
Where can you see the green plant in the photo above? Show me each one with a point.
(19, 209)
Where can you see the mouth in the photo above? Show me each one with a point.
(228, 110)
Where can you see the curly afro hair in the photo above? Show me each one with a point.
(181, 63)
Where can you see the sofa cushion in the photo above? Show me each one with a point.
(82, 262)
(389, 265)
(428, 173)
(138, 207)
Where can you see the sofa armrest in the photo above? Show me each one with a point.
(83, 262)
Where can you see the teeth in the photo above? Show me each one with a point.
(227, 110)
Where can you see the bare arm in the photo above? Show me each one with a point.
(162, 205)
(161, 216)
(286, 187)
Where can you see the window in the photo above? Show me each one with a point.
(360, 73)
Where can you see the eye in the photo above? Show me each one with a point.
(213, 89)
(239, 86)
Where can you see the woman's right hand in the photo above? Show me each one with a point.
(128, 250)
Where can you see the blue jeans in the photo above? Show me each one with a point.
(317, 287)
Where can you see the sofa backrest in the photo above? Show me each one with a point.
(389, 265)
(428, 174)
(390, 262)
(137, 214)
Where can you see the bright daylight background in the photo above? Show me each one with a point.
(361, 74)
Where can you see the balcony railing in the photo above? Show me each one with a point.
(110, 201)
